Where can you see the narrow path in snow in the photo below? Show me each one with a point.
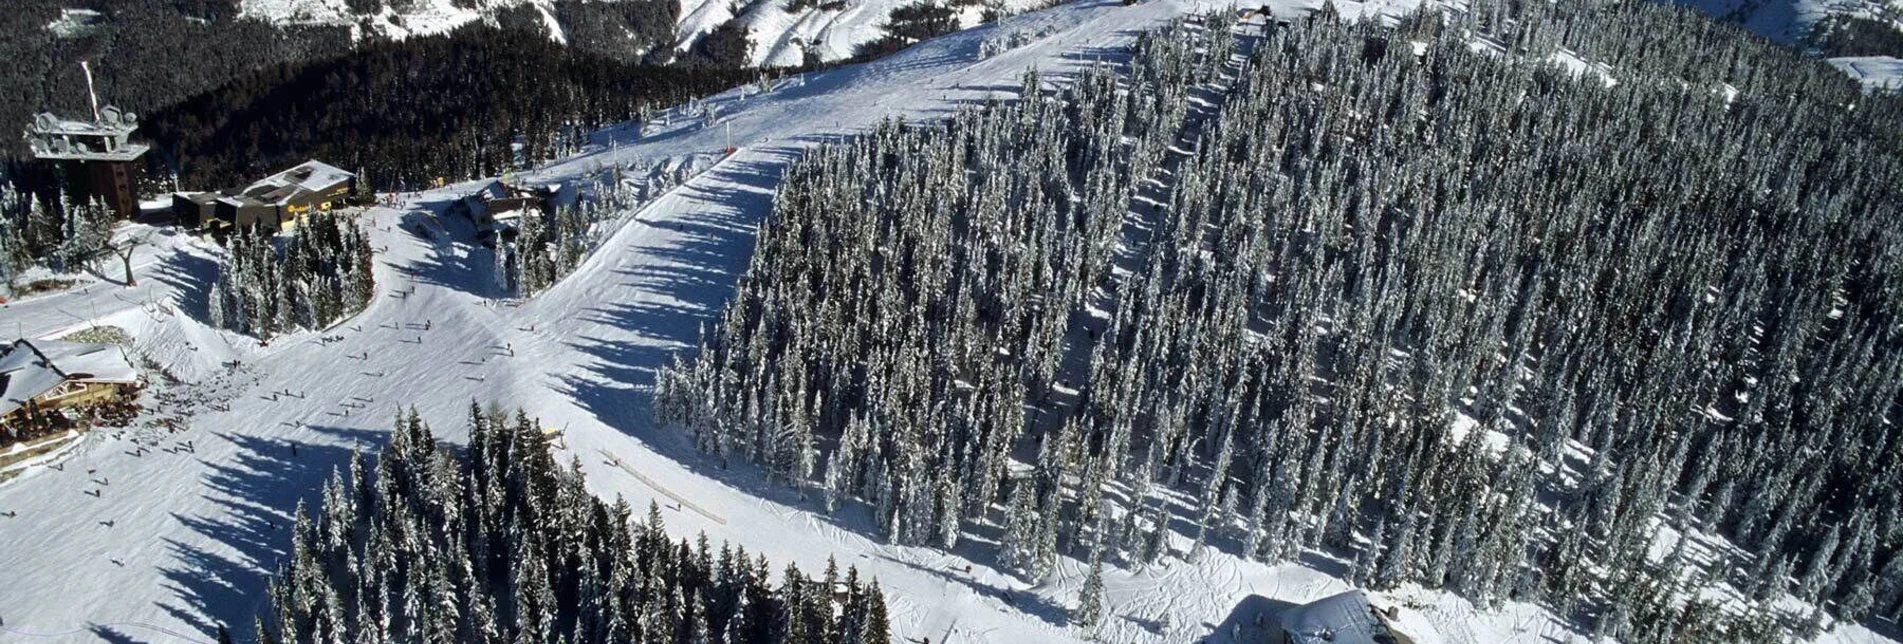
(616, 461)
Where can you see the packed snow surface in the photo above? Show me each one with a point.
(1876, 72)
(186, 527)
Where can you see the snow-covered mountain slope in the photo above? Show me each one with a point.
(154, 536)
(1790, 22)
(1873, 71)
(420, 17)
(780, 37)
(832, 30)
(1785, 21)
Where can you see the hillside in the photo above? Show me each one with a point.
(1811, 24)
(781, 33)
(153, 535)
(473, 103)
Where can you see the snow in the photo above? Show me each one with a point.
(1347, 618)
(422, 17)
(781, 38)
(1572, 63)
(1495, 442)
(1875, 72)
(309, 176)
(195, 533)
(1784, 21)
(554, 26)
(833, 31)
(73, 23)
(1788, 21)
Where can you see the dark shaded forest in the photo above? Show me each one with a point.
(405, 113)
(627, 30)
(227, 99)
(1845, 35)
(144, 54)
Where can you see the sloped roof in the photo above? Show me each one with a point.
(28, 369)
(303, 178)
(1346, 618)
(200, 198)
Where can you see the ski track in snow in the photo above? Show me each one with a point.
(194, 535)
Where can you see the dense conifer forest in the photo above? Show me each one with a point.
(269, 285)
(148, 55)
(1411, 295)
(50, 228)
(144, 54)
(455, 107)
(227, 99)
(501, 544)
(1847, 35)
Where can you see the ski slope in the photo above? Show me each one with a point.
(186, 526)
(1789, 21)
(1874, 72)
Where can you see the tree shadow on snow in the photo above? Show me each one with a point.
(191, 277)
(1023, 601)
(257, 493)
(453, 260)
(111, 635)
(696, 273)
(686, 286)
(1884, 628)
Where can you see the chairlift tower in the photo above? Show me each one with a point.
(98, 157)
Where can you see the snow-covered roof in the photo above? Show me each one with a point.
(104, 138)
(197, 197)
(49, 123)
(1346, 618)
(240, 201)
(28, 369)
(306, 177)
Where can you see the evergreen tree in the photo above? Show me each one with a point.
(1089, 614)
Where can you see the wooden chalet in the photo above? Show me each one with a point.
(47, 377)
(496, 208)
